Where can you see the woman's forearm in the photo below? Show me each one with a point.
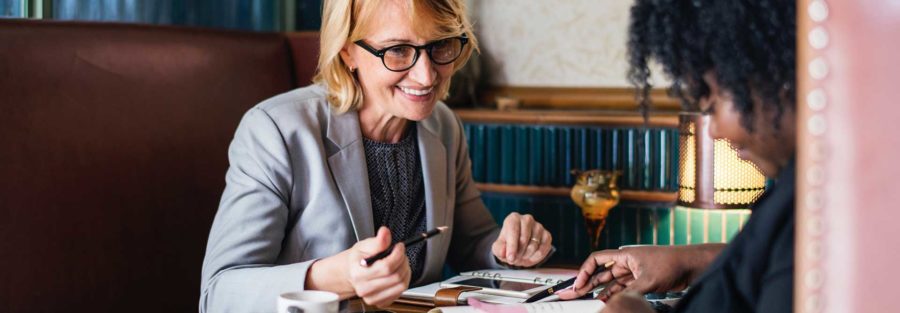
(701, 256)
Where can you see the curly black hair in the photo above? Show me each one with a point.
(750, 44)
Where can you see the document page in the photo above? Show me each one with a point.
(588, 306)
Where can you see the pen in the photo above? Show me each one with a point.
(563, 285)
(408, 242)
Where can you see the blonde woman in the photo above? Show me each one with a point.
(324, 176)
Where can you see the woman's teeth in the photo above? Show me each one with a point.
(416, 92)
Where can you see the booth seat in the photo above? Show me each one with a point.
(113, 141)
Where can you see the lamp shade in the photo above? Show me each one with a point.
(711, 175)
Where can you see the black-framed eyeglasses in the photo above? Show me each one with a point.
(402, 57)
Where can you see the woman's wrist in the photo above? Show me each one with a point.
(330, 274)
(698, 257)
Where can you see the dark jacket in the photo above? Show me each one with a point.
(755, 273)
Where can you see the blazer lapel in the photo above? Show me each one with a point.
(348, 167)
(433, 156)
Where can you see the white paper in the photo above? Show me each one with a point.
(588, 306)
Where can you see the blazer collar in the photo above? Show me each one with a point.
(348, 167)
(343, 129)
(436, 174)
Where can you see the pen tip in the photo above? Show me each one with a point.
(443, 228)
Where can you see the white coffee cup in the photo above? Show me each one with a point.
(308, 301)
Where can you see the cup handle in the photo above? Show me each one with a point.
(294, 309)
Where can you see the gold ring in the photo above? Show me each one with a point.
(535, 240)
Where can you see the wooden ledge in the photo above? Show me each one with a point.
(629, 195)
(570, 117)
(607, 98)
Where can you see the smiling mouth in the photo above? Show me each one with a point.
(416, 92)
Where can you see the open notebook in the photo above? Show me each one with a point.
(546, 276)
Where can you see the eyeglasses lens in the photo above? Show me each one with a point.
(441, 52)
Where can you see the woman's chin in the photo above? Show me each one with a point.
(418, 115)
(418, 110)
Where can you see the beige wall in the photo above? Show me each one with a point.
(559, 43)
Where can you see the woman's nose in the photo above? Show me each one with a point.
(713, 127)
(423, 72)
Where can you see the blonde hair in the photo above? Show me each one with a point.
(346, 21)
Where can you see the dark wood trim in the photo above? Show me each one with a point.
(630, 195)
(571, 117)
(608, 98)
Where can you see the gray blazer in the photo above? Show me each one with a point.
(298, 190)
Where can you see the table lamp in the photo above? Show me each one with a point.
(711, 175)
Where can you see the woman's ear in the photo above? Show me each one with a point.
(348, 59)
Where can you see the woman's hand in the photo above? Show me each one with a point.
(523, 241)
(628, 302)
(378, 284)
(382, 282)
(643, 269)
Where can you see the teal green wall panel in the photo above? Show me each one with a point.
(716, 233)
(697, 230)
(733, 223)
(664, 216)
(681, 219)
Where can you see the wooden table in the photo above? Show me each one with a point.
(357, 305)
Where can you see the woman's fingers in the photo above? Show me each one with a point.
(568, 294)
(526, 229)
(539, 248)
(397, 258)
(386, 296)
(543, 249)
(383, 281)
(386, 279)
(375, 286)
(534, 241)
(611, 289)
(627, 302)
(513, 228)
(522, 241)
(586, 271)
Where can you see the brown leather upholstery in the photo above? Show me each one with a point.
(849, 151)
(113, 143)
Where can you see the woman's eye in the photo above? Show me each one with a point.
(397, 52)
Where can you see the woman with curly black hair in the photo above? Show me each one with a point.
(733, 60)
